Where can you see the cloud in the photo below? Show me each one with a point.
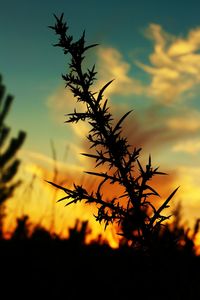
(188, 146)
(188, 177)
(188, 121)
(111, 65)
(187, 126)
(43, 166)
(61, 102)
(175, 64)
(174, 70)
(149, 129)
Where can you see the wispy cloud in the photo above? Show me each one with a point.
(175, 64)
(190, 188)
(187, 126)
(188, 122)
(43, 166)
(60, 103)
(191, 146)
(174, 70)
(111, 65)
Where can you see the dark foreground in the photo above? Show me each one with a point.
(60, 270)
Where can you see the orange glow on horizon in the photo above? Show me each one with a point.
(37, 199)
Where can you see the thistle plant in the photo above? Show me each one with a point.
(138, 219)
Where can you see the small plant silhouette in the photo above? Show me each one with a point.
(78, 233)
(9, 164)
(138, 219)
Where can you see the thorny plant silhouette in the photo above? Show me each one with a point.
(138, 219)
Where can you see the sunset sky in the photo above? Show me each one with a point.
(151, 49)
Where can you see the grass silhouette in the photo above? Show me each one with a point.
(45, 265)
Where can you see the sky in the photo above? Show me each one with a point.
(150, 48)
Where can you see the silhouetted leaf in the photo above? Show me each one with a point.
(117, 127)
(102, 90)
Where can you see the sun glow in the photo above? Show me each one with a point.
(38, 200)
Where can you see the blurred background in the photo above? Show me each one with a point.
(152, 50)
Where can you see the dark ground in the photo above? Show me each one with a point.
(61, 270)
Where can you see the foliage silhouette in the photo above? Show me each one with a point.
(26, 230)
(8, 163)
(65, 266)
(58, 266)
(22, 229)
(133, 209)
(79, 232)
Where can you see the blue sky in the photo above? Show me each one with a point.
(31, 66)
(151, 48)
